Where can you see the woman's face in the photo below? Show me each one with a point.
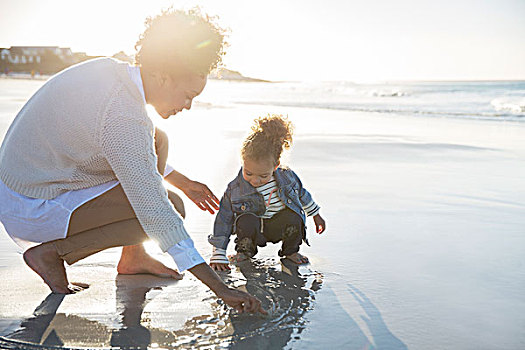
(169, 96)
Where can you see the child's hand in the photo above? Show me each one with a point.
(320, 224)
(220, 267)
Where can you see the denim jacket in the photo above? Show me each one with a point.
(242, 198)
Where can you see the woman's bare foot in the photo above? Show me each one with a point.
(135, 260)
(297, 258)
(238, 257)
(45, 261)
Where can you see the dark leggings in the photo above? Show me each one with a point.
(285, 226)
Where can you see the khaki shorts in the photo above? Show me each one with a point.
(109, 220)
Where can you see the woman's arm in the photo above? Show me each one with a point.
(127, 144)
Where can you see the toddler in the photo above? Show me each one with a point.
(265, 202)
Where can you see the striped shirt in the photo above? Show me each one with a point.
(274, 204)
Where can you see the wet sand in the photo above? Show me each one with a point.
(424, 247)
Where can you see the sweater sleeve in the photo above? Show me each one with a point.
(127, 141)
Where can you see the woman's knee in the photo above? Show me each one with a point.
(161, 148)
(161, 139)
(177, 203)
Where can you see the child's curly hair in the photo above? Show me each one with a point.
(269, 136)
(178, 40)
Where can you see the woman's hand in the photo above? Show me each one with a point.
(201, 195)
(241, 301)
(320, 224)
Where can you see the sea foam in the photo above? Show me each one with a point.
(511, 105)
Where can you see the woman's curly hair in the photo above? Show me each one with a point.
(177, 41)
(269, 137)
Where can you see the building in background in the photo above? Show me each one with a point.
(47, 60)
(41, 59)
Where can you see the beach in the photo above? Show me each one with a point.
(422, 186)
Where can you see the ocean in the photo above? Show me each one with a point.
(503, 100)
(422, 188)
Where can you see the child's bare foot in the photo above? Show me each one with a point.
(220, 267)
(135, 260)
(297, 258)
(238, 257)
(45, 261)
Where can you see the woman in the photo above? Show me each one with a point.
(81, 164)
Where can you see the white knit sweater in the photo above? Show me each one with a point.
(84, 127)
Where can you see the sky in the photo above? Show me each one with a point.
(352, 40)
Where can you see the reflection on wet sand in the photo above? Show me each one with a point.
(33, 330)
(284, 293)
(48, 328)
(280, 285)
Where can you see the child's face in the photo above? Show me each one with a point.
(258, 172)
